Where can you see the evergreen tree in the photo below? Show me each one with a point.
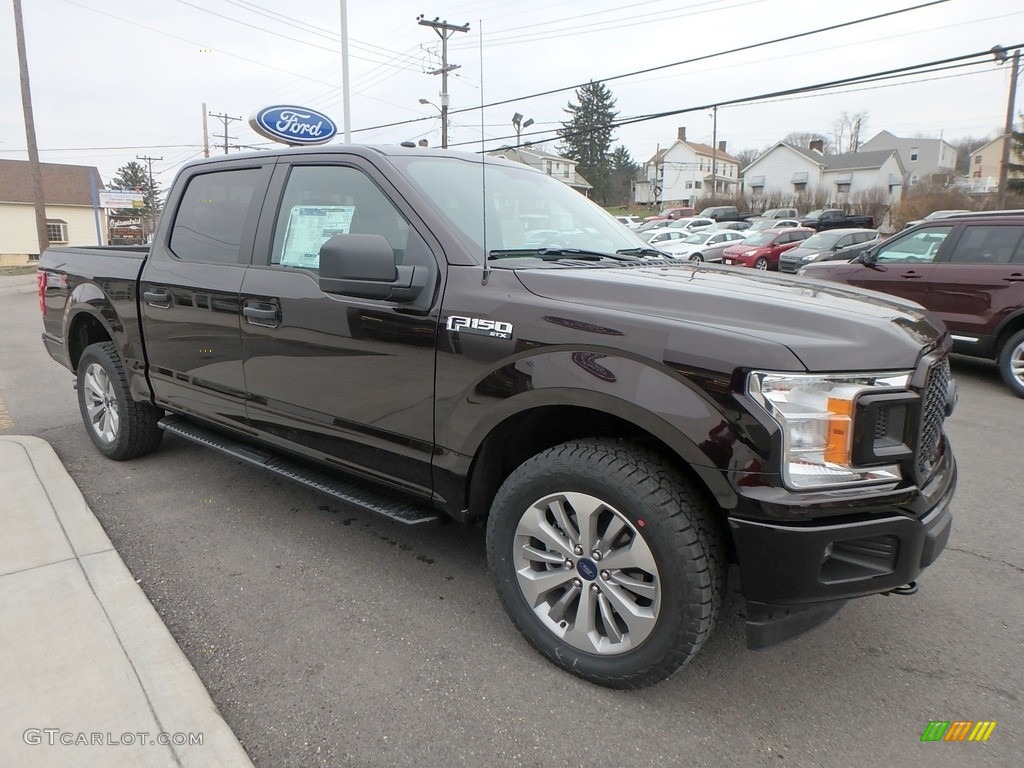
(133, 177)
(623, 168)
(587, 136)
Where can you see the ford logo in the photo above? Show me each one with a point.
(587, 569)
(293, 125)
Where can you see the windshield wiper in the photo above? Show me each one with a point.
(641, 252)
(557, 254)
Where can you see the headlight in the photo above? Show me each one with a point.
(809, 257)
(816, 415)
(749, 253)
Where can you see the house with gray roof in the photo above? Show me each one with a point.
(803, 176)
(556, 166)
(73, 216)
(925, 160)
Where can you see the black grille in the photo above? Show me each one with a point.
(933, 413)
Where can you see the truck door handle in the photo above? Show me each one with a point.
(261, 313)
(910, 275)
(1016, 277)
(157, 298)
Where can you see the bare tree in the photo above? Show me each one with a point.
(847, 130)
(747, 156)
(804, 138)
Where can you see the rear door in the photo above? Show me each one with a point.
(342, 379)
(189, 290)
(979, 281)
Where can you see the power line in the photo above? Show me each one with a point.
(705, 57)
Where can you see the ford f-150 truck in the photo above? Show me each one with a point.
(429, 335)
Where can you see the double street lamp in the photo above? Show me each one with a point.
(520, 125)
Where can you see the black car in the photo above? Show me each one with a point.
(831, 245)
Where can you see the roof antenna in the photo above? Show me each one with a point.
(483, 158)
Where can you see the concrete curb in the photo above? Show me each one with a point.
(91, 675)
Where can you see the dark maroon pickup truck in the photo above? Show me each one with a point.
(428, 334)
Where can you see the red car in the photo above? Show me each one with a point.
(762, 249)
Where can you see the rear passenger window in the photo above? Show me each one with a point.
(988, 245)
(210, 222)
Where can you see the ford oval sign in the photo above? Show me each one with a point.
(293, 125)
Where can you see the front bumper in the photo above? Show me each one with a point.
(795, 576)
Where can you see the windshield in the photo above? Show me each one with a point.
(822, 240)
(525, 209)
(757, 226)
(760, 238)
(814, 214)
(697, 239)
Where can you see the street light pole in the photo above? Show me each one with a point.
(519, 124)
(1008, 133)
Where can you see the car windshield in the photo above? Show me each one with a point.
(757, 226)
(814, 214)
(821, 240)
(524, 208)
(760, 238)
(697, 239)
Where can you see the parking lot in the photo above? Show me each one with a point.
(327, 636)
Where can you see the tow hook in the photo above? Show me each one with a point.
(905, 591)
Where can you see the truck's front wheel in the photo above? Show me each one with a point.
(607, 561)
(121, 428)
(1011, 363)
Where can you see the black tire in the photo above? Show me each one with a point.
(762, 264)
(659, 520)
(121, 428)
(1011, 363)
(697, 257)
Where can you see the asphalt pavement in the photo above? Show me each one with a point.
(328, 637)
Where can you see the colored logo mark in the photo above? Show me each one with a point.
(958, 730)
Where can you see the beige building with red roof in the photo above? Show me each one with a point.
(72, 213)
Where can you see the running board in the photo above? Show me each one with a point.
(353, 491)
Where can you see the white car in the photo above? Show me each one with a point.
(760, 225)
(701, 246)
(661, 238)
(630, 222)
(691, 224)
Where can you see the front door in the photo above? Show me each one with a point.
(344, 380)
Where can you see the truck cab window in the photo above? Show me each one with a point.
(322, 201)
(212, 215)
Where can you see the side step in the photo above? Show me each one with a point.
(350, 490)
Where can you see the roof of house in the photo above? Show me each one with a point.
(700, 149)
(986, 145)
(851, 160)
(62, 184)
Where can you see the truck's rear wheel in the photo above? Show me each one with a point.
(121, 428)
(1011, 363)
(607, 562)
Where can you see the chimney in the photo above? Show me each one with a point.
(721, 146)
(682, 134)
(818, 145)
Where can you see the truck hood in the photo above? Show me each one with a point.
(825, 326)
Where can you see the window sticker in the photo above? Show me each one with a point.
(309, 227)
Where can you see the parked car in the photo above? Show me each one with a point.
(658, 238)
(726, 213)
(735, 226)
(762, 249)
(933, 216)
(676, 212)
(692, 224)
(780, 213)
(760, 225)
(832, 245)
(630, 222)
(701, 246)
(968, 270)
(834, 218)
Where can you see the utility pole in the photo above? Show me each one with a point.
(345, 91)
(444, 31)
(714, 151)
(35, 171)
(206, 134)
(224, 119)
(1008, 132)
(152, 193)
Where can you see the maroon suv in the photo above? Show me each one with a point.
(762, 249)
(967, 269)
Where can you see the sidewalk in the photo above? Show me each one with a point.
(90, 675)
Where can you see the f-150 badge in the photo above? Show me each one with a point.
(497, 329)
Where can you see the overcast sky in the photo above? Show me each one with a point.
(113, 79)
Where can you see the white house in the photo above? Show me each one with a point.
(556, 166)
(686, 172)
(73, 216)
(793, 174)
(925, 159)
